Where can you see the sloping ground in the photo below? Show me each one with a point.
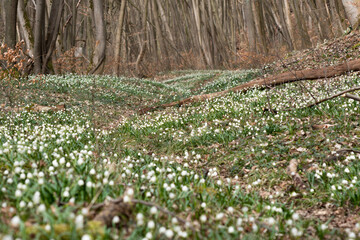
(215, 169)
(329, 53)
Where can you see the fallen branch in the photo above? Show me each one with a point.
(288, 77)
(340, 153)
(357, 98)
(333, 96)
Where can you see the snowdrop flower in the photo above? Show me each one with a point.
(245, 209)
(79, 222)
(41, 208)
(140, 219)
(231, 229)
(203, 218)
(15, 221)
(219, 216)
(323, 227)
(153, 210)
(169, 233)
(149, 235)
(81, 182)
(295, 216)
(295, 232)
(151, 224)
(86, 237)
(116, 220)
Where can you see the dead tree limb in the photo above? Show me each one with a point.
(333, 96)
(348, 95)
(279, 79)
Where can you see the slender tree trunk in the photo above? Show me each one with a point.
(301, 25)
(39, 35)
(100, 33)
(10, 22)
(53, 30)
(250, 26)
(119, 36)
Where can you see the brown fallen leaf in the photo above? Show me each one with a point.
(321, 126)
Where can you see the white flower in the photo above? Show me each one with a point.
(347, 170)
(149, 235)
(295, 216)
(169, 233)
(41, 208)
(86, 237)
(255, 228)
(323, 227)
(15, 221)
(270, 221)
(81, 182)
(79, 222)
(230, 209)
(66, 194)
(231, 229)
(151, 224)
(18, 193)
(48, 228)
(22, 204)
(352, 235)
(203, 218)
(153, 210)
(7, 237)
(245, 209)
(219, 216)
(116, 220)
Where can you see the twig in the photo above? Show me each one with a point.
(333, 96)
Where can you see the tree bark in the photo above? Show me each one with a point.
(119, 37)
(10, 22)
(100, 36)
(39, 35)
(24, 24)
(352, 10)
(250, 26)
(53, 30)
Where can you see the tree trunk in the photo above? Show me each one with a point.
(250, 26)
(39, 35)
(301, 25)
(352, 9)
(100, 36)
(10, 22)
(24, 24)
(119, 37)
(53, 30)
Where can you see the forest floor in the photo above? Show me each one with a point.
(245, 165)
